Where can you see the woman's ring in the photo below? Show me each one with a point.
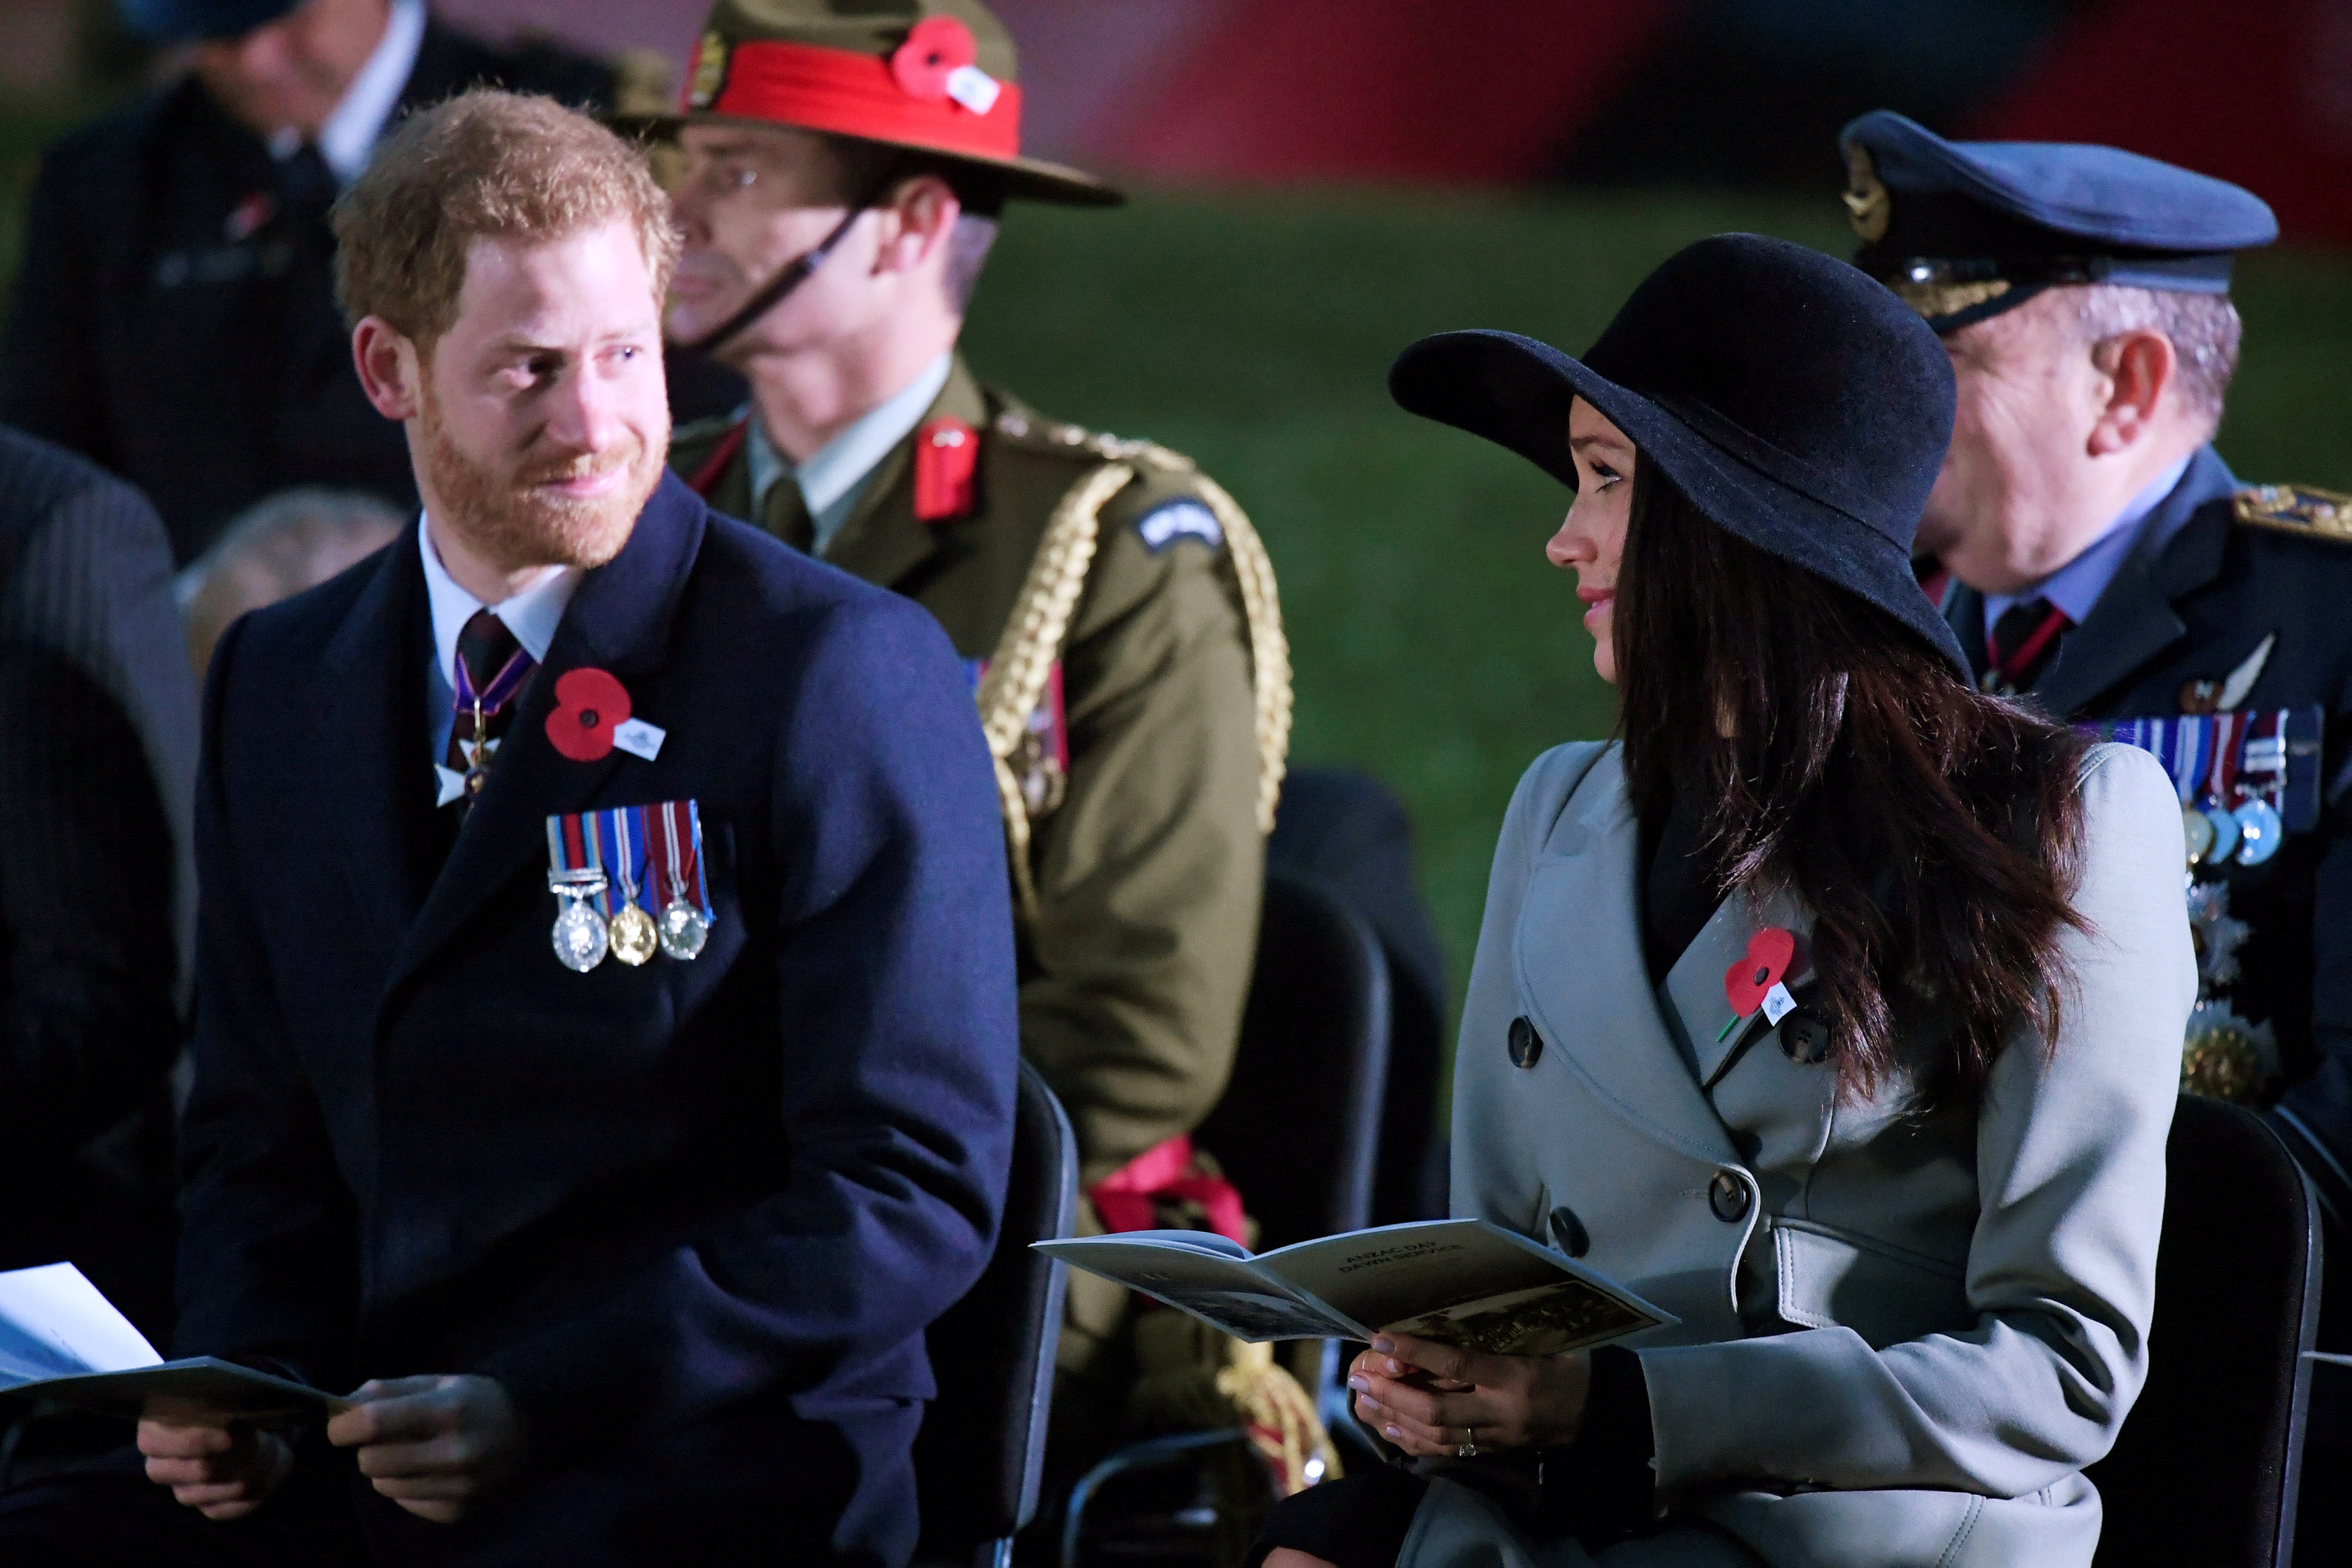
(1469, 1448)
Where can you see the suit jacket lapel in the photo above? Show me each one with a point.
(618, 621)
(2134, 619)
(1578, 953)
(369, 702)
(882, 542)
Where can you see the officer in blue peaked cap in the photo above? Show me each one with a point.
(2099, 561)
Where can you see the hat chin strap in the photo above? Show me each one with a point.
(794, 273)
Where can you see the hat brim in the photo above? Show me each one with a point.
(1028, 179)
(1515, 392)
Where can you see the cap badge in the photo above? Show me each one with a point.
(939, 61)
(710, 71)
(1867, 202)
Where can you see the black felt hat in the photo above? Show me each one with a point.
(1799, 405)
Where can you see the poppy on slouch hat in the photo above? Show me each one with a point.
(1965, 230)
(194, 21)
(934, 77)
(1799, 405)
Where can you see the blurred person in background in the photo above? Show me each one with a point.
(97, 890)
(2108, 568)
(175, 318)
(839, 171)
(292, 541)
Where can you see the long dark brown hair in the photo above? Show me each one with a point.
(1933, 830)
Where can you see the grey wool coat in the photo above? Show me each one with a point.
(1904, 1331)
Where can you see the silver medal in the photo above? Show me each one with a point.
(579, 936)
(2260, 832)
(683, 929)
(2225, 833)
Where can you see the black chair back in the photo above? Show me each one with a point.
(2204, 1472)
(981, 1455)
(1299, 1124)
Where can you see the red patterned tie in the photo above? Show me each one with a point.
(2021, 644)
(491, 669)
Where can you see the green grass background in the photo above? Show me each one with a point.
(1432, 643)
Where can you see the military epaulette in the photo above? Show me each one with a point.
(1052, 436)
(2297, 509)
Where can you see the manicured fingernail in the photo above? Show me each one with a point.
(1396, 1368)
(1359, 1382)
(1382, 1344)
(1393, 1433)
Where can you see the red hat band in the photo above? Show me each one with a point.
(906, 99)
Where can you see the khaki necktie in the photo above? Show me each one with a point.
(785, 514)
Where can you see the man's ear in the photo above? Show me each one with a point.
(916, 223)
(390, 371)
(2139, 368)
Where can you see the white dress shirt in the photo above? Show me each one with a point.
(532, 615)
(350, 134)
(834, 476)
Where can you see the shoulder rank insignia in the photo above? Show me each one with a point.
(946, 455)
(2297, 508)
(1181, 518)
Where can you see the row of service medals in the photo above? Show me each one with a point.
(615, 844)
(2230, 770)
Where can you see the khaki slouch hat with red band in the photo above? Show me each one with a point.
(933, 77)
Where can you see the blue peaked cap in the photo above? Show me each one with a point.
(1964, 230)
(187, 21)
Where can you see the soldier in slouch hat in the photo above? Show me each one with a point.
(839, 171)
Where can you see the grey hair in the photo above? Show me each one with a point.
(277, 547)
(2203, 329)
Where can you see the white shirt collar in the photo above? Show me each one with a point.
(532, 615)
(836, 474)
(2075, 587)
(350, 131)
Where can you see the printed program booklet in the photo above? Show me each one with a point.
(1458, 1281)
(61, 1340)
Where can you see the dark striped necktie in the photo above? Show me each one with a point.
(2022, 642)
(491, 669)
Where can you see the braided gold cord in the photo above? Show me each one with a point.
(1016, 676)
(1269, 649)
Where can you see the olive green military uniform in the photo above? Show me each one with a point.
(1147, 869)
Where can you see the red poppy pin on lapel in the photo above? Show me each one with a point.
(589, 704)
(1755, 980)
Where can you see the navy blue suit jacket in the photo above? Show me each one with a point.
(2196, 610)
(658, 1204)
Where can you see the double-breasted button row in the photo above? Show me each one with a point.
(1805, 1038)
(1728, 1197)
(1525, 1044)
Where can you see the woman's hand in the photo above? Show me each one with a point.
(1430, 1398)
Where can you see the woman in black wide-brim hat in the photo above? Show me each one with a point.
(1835, 1010)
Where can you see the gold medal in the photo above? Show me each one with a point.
(2198, 832)
(633, 935)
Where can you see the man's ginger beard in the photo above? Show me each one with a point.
(513, 524)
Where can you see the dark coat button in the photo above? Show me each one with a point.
(1805, 1037)
(1525, 1045)
(1727, 1196)
(1567, 1232)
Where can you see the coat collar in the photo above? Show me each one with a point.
(1599, 1010)
(882, 542)
(619, 620)
(2178, 552)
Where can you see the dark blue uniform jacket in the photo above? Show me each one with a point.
(694, 1215)
(2197, 608)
